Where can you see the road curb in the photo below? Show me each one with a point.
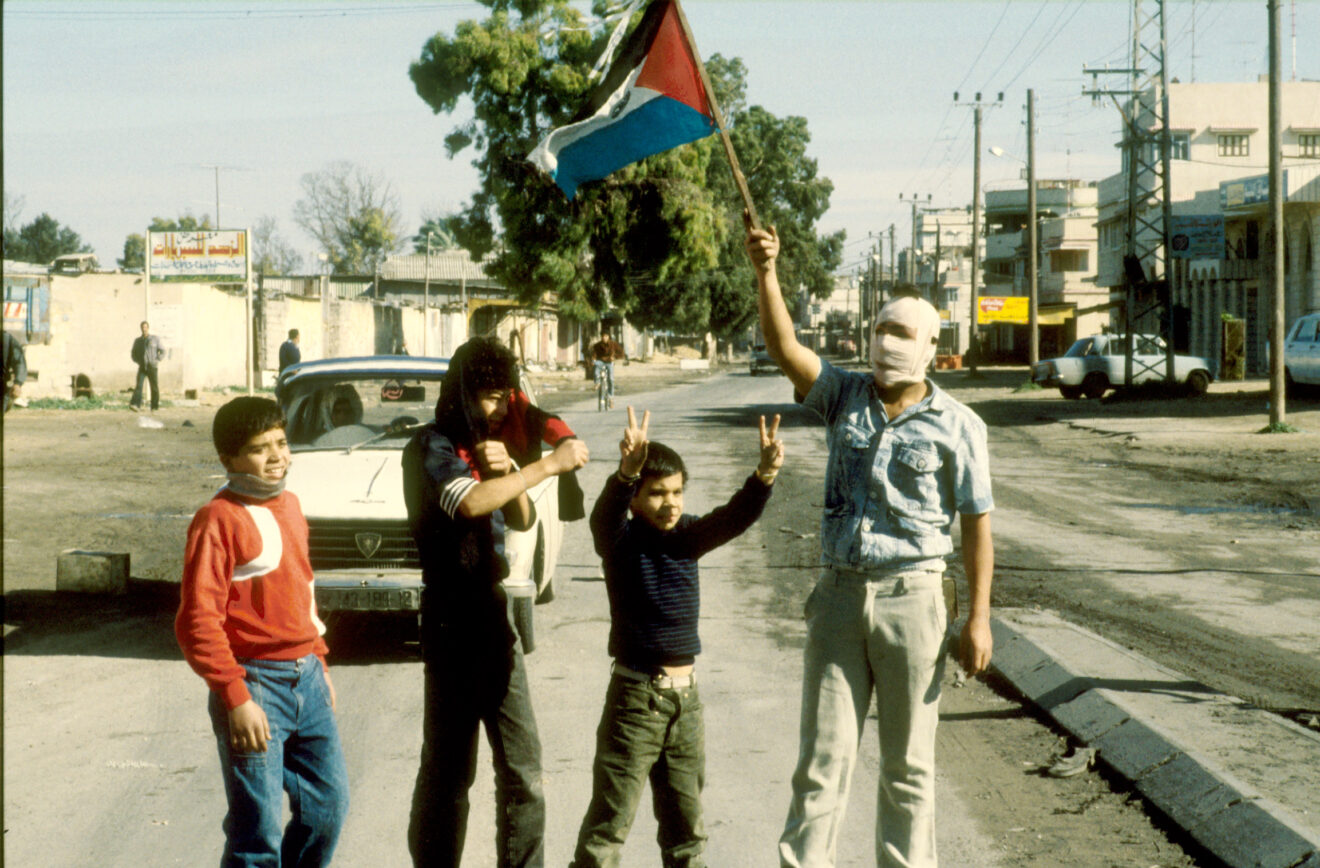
(1230, 818)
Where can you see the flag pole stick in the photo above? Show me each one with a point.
(738, 176)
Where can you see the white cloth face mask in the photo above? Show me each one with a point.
(899, 360)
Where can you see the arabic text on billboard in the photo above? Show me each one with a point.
(1196, 236)
(214, 255)
(1002, 308)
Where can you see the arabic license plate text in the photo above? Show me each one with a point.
(368, 599)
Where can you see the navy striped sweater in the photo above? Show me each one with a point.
(651, 575)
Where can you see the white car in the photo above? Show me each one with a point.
(1094, 365)
(1301, 351)
(348, 421)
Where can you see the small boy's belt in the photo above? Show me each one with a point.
(659, 682)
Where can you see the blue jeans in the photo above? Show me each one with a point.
(148, 373)
(303, 758)
(464, 691)
(881, 634)
(606, 370)
(645, 734)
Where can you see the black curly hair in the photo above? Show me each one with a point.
(241, 419)
(481, 363)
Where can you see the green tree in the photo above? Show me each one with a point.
(354, 216)
(271, 254)
(42, 240)
(184, 223)
(648, 230)
(788, 194)
(135, 252)
(442, 237)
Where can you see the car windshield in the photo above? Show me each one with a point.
(1080, 348)
(334, 412)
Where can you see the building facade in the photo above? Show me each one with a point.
(1219, 144)
(1069, 303)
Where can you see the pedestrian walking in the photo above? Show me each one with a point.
(14, 359)
(290, 353)
(905, 460)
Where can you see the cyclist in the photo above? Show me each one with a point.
(603, 354)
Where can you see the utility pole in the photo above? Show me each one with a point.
(426, 298)
(1278, 410)
(893, 249)
(1147, 142)
(217, 191)
(973, 348)
(910, 271)
(935, 272)
(1033, 242)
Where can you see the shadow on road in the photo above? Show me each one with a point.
(137, 625)
(140, 625)
(745, 416)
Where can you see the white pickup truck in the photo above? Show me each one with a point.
(1094, 365)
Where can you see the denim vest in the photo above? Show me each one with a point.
(892, 487)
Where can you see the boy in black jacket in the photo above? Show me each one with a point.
(652, 726)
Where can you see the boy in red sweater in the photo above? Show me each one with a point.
(247, 624)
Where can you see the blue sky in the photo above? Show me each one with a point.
(114, 110)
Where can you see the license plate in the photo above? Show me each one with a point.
(368, 599)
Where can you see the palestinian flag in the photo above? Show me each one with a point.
(651, 100)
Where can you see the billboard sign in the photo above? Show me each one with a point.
(211, 255)
(1002, 308)
(1249, 191)
(1196, 236)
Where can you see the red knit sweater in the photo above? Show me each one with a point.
(247, 590)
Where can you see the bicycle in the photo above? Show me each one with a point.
(604, 400)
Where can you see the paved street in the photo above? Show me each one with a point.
(109, 759)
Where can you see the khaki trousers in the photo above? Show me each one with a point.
(881, 633)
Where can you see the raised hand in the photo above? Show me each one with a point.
(570, 454)
(632, 448)
(772, 450)
(493, 458)
(762, 244)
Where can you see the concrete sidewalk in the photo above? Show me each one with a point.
(1243, 782)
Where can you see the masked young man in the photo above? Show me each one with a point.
(465, 481)
(904, 459)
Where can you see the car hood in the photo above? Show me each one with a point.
(334, 484)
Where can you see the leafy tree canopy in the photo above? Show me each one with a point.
(184, 223)
(789, 196)
(525, 70)
(135, 252)
(437, 228)
(42, 240)
(660, 240)
(353, 214)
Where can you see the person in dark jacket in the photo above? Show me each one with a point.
(147, 353)
(290, 354)
(15, 368)
(652, 725)
(465, 479)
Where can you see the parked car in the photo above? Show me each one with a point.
(1301, 352)
(760, 361)
(348, 421)
(1094, 365)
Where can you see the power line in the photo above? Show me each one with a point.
(199, 12)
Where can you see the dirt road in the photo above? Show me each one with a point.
(108, 759)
